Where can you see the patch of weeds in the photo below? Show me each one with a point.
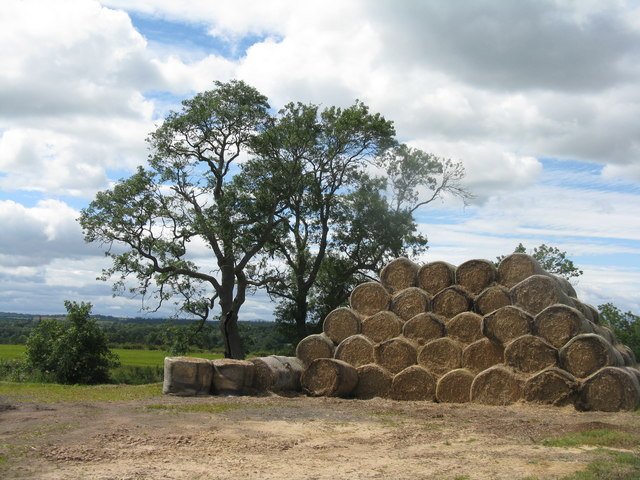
(387, 417)
(471, 440)
(599, 438)
(199, 408)
(613, 466)
(431, 426)
(447, 443)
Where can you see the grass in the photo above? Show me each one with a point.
(133, 358)
(611, 466)
(599, 438)
(12, 352)
(53, 392)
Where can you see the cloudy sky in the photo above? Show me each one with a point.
(539, 99)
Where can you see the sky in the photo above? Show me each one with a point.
(539, 99)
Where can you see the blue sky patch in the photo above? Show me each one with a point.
(192, 37)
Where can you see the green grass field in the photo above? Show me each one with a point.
(132, 358)
(53, 392)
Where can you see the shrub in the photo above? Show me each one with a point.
(74, 351)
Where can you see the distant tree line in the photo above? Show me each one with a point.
(176, 336)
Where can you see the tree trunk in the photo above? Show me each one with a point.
(231, 335)
(300, 314)
(229, 314)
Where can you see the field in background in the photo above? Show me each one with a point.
(137, 367)
(130, 358)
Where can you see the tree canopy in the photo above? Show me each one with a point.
(303, 202)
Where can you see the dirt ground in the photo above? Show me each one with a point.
(291, 438)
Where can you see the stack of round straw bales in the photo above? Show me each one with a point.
(476, 332)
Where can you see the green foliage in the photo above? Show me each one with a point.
(18, 370)
(552, 259)
(74, 351)
(625, 325)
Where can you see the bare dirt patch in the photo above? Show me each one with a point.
(278, 437)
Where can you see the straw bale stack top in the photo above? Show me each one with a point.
(477, 332)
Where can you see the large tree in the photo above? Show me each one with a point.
(192, 224)
(325, 152)
(344, 222)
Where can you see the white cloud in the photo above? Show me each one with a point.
(498, 87)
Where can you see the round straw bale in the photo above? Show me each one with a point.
(530, 354)
(451, 301)
(410, 302)
(277, 373)
(395, 354)
(635, 372)
(506, 324)
(369, 298)
(314, 346)
(558, 324)
(441, 356)
(382, 326)
(414, 383)
(492, 298)
(587, 353)
(187, 376)
(399, 274)
(436, 276)
(516, 267)
(455, 386)
(496, 386)
(606, 333)
(423, 327)
(551, 386)
(356, 350)
(476, 275)
(340, 324)
(536, 293)
(582, 308)
(232, 377)
(466, 327)
(481, 355)
(595, 315)
(628, 356)
(329, 377)
(373, 381)
(565, 286)
(609, 390)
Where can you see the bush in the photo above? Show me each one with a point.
(74, 351)
(17, 370)
(135, 375)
